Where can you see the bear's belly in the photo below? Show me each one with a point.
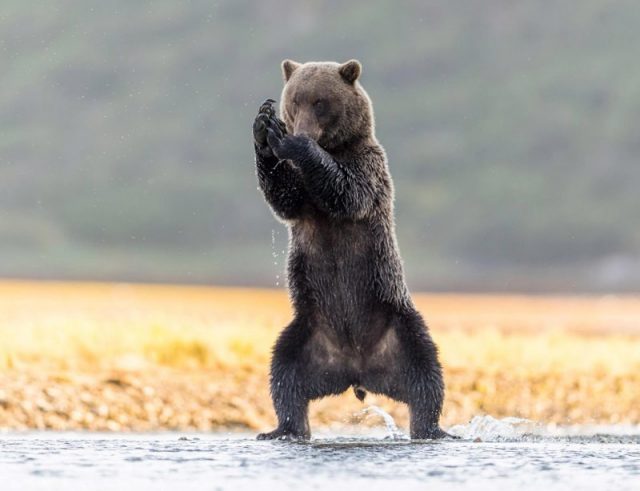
(334, 267)
(327, 351)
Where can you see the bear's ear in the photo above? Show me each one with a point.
(288, 67)
(350, 70)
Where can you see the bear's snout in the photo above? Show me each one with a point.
(307, 126)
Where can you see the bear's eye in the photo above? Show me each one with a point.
(320, 106)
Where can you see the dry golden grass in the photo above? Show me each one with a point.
(110, 356)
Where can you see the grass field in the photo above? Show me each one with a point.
(139, 357)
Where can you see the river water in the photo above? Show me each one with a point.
(491, 454)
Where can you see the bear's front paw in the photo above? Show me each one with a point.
(289, 147)
(260, 125)
(265, 120)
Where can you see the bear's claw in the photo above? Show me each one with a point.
(267, 108)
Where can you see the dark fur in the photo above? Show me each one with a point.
(355, 325)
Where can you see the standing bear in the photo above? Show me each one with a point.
(325, 175)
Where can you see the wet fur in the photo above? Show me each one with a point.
(354, 324)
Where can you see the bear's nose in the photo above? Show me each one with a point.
(307, 127)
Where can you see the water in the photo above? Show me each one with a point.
(507, 454)
(275, 237)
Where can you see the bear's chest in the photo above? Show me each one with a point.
(335, 241)
(337, 256)
(335, 265)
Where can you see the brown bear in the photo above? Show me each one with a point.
(325, 175)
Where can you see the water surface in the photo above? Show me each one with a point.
(492, 454)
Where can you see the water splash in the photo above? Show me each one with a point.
(394, 433)
(488, 428)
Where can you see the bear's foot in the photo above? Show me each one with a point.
(432, 434)
(284, 435)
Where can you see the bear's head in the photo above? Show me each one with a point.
(324, 101)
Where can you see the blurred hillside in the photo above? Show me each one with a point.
(512, 128)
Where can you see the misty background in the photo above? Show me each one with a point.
(512, 130)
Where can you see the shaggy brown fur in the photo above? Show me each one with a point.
(325, 175)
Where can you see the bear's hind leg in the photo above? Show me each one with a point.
(299, 375)
(423, 382)
(406, 368)
(287, 385)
